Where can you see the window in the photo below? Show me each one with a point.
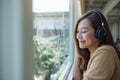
(51, 38)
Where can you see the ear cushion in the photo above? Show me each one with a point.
(100, 33)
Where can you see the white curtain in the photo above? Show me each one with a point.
(16, 55)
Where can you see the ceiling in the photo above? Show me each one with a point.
(94, 4)
(111, 8)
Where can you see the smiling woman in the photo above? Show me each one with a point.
(95, 49)
(50, 5)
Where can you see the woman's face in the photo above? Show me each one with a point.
(85, 35)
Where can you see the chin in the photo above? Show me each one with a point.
(82, 47)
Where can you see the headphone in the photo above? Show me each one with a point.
(100, 32)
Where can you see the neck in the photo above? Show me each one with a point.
(93, 48)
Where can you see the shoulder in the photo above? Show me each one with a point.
(105, 53)
(105, 49)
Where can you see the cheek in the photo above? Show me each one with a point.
(88, 36)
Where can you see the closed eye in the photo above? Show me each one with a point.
(83, 31)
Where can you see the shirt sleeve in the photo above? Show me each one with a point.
(101, 67)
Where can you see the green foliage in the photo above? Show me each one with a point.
(47, 55)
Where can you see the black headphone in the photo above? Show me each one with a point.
(100, 32)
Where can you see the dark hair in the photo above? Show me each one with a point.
(95, 21)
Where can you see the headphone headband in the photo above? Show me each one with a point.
(98, 14)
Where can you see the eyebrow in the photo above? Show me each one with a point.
(83, 28)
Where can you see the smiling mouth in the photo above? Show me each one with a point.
(81, 42)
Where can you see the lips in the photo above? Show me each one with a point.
(81, 42)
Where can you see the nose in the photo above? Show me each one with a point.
(79, 36)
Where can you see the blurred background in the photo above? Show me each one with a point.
(36, 36)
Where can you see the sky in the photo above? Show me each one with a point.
(50, 6)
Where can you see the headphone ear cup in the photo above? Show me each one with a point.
(100, 33)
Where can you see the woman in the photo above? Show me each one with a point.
(96, 57)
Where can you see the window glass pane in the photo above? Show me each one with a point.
(51, 38)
